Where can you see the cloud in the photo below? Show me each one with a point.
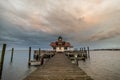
(110, 28)
(105, 35)
(41, 21)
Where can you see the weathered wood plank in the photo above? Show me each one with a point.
(58, 68)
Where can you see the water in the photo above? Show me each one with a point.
(19, 68)
(103, 65)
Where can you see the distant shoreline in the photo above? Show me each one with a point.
(90, 50)
(105, 50)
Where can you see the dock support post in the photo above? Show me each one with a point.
(2, 59)
(76, 59)
(42, 60)
(12, 55)
(69, 54)
(88, 52)
(39, 53)
(82, 52)
(29, 63)
(85, 53)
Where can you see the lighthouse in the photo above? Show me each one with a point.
(60, 45)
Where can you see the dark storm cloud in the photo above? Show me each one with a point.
(28, 22)
(11, 34)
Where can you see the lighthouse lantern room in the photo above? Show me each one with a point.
(60, 45)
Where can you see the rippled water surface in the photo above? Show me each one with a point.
(103, 65)
(19, 68)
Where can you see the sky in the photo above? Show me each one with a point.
(36, 23)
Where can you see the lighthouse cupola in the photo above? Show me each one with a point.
(59, 38)
(60, 45)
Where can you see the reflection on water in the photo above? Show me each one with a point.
(103, 65)
(19, 68)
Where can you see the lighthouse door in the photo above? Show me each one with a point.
(59, 49)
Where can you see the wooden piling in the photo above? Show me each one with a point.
(12, 55)
(42, 60)
(39, 51)
(29, 59)
(80, 49)
(88, 50)
(80, 52)
(58, 68)
(76, 59)
(39, 54)
(85, 53)
(84, 49)
(2, 59)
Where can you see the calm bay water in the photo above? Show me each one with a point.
(19, 68)
(103, 65)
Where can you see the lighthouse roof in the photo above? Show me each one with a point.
(59, 37)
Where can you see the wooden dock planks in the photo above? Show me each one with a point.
(58, 68)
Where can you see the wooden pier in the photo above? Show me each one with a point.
(58, 67)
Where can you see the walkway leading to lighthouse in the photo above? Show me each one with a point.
(58, 68)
